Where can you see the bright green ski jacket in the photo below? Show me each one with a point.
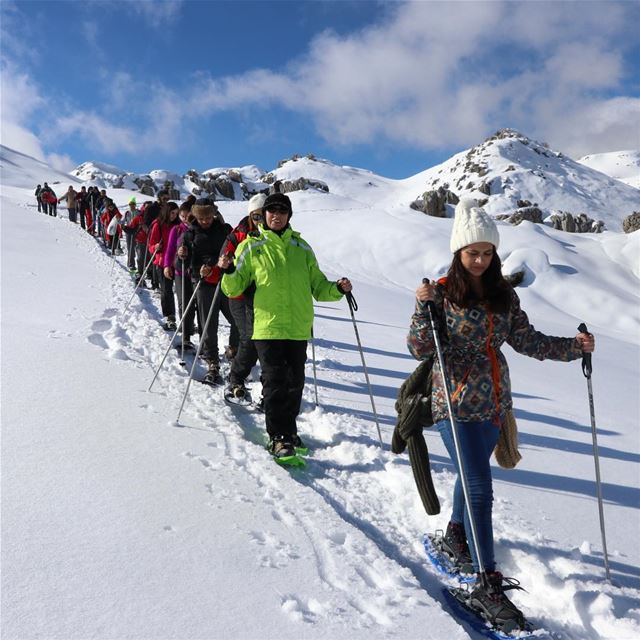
(286, 273)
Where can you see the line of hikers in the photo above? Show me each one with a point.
(263, 277)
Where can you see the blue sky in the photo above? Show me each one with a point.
(394, 87)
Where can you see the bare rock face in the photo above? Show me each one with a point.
(146, 185)
(224, 186)
(170, 187)
(532, 214)
(631, 223)
(433, 202)
(581, 223)
(299, 184)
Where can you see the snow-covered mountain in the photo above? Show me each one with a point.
(508, 172)
(117, 524)
(621, 165)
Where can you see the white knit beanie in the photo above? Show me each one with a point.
(257, 202)
(472, 224)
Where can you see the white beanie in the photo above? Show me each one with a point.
(472, 224)
(257, 202)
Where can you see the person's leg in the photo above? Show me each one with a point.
(167, 301)
(80, 213)
(279, 419)
(209, 338)
(477, 441)
(234, 335)
(246, 355)
(296, 356)
(72, 215)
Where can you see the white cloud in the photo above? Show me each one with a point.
(430, 75)
(156, 12)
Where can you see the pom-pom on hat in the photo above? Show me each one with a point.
(256, 202)
(278, 199)
(472, 224)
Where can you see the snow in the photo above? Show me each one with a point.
(621, 165)
(118, 524)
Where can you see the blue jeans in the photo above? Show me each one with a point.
(477, 441)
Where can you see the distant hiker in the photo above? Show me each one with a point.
(37, 195)
(178, 269)
(129, 233)
(201, 245)
(49, 199)
(70, 198)
(287, 278)
(479, 311)
(142, 252)
(158, 241)
(151, 213)
(241, 306)
(112, 232)
(81, 206)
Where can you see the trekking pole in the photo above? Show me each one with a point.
(586, 370)
(454, 429)
(113, 250)
(313, 357)
(144, 273)
(216, 295)
(166, 353)
(184, 311)
(353, 306)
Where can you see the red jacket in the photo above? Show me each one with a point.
(234, 239)
(137, 225)
(159, 234)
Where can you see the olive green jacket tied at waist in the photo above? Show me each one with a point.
(287, 278)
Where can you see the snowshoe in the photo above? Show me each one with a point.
(237, 394)
(489, 603)
(213, 377)
(282, 448)
(443, 562)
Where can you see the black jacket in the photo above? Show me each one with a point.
(205, 245)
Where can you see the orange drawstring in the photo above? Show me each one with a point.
(495, 367)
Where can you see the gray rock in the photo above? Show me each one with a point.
(581, 223)
(532, 214)
(631, 223)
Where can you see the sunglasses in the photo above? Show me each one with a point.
(277, 208)
(257, 217)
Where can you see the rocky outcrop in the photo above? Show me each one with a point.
(581, 223)
(146, 185)
(631, 223)
(433, 202)
(532, 214)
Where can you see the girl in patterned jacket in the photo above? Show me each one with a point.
(478, 311)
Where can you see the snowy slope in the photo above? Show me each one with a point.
(117, 524)
(621, 165)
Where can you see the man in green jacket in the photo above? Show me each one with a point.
(286, 276)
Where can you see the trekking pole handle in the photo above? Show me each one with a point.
(353, 305)
(586, 357)
(431, 307)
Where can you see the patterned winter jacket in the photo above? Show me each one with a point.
(477, 370)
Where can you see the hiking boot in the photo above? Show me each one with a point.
(238, 391)
(230, 352)
(281, 446)
(213, 376)
(454, 544)
(491, 602)
(170, 324)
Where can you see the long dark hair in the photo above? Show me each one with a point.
(497, 291)
(167, 208)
